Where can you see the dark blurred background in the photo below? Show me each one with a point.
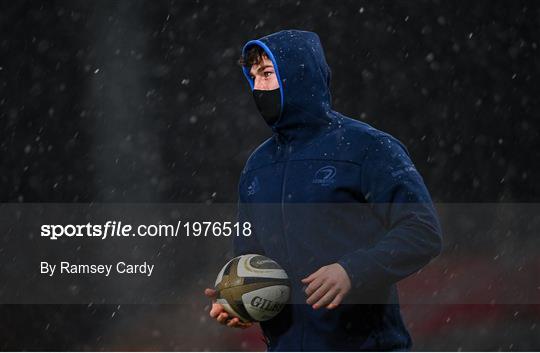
(142, 101)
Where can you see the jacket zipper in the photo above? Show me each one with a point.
(283, 184)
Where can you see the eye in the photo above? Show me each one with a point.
(268, 73)
(252, 77)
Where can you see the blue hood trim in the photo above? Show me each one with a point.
(268, 52)
(304, 82)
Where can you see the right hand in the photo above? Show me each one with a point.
(218, 312)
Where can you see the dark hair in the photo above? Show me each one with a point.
(253, 56)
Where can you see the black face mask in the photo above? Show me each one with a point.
(269, 104)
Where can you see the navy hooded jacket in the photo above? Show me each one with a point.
(325, 188)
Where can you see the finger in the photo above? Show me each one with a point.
(337, 300)
(216, 310)
(222, 318)
(313, 286)
(236, 323)
(311, 277)
(244, 325)
(233, 322)
(318, 294)
(240, 324)
(326, 299)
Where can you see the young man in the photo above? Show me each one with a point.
(343, 265)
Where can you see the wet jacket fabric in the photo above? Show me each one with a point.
(325, 188)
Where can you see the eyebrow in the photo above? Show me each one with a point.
(261, 68)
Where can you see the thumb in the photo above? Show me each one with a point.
(211, 293)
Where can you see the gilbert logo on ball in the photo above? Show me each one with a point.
(252, 287)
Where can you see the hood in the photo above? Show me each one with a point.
(304, 80)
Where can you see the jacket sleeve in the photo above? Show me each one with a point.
(245, 244)
(398, 197)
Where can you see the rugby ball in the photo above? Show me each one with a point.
(252, 287)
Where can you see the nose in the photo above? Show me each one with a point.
(265, 85)
(260, 84)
